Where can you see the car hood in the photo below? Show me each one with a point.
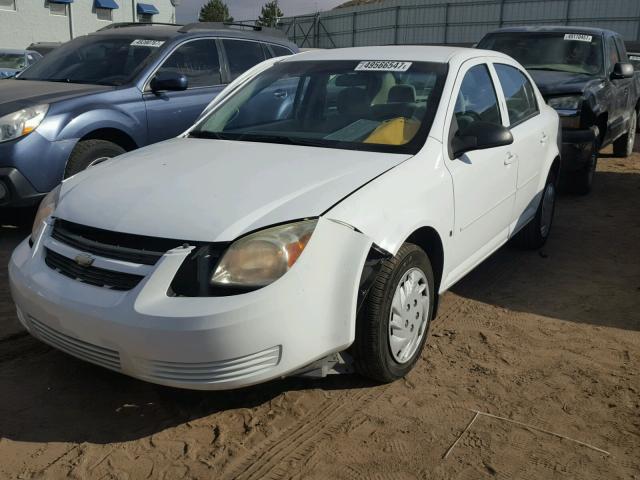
(18, 94)
(215, 190)
(559, 83)
(8, 72)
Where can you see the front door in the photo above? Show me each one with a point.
(484, 181)
(171, 113)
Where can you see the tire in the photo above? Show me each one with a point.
(581, 181)
(535, 234)
(88, 151)
(623, 147)
(372, 349)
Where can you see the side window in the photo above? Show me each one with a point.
(477, 99)
(242, 55)
(612, 53)
(280, 51)
(518, 92)
(198, 60)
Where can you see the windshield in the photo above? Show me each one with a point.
(97, 60)
(12, 60)
(379, 106)
(564, 52)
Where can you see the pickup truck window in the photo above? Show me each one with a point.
(95, 59)
(553, 51)
(198, 60)
(477, 99)
(518, 93)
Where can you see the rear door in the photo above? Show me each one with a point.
(531, 140)
(484, 181)
(171, 113)
(620, 89)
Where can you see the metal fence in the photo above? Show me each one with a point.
(425, 21)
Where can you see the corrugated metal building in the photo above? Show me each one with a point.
(25, 21)
(459, 21)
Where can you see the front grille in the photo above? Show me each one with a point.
(212, 372)
(83, 350)
(118, 246)
(99, 277)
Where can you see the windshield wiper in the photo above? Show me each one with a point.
(256, 137)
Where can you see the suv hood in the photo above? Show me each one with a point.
(18, 94)
(553, 83)
(215, 190)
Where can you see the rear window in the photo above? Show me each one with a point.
(280, 51)
(242, 55)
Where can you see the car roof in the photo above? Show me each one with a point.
(417, 53)
(164, 32)
(14, 50)
(555, 29)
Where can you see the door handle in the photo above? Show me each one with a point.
(543, 139)
(280, 94)
(510, 158)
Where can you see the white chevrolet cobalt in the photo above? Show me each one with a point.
(308, 222)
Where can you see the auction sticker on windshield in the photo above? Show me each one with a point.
(147, 43)
(578, 37)
(383, 66)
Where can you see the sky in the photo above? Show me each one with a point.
(250, 9)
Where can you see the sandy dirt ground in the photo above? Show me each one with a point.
(548, 338)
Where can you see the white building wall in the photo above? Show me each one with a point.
(32, 21)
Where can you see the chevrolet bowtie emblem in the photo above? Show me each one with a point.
(84, 260)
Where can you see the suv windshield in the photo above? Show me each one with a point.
(95, 59)
(377, 106)
(564, 52)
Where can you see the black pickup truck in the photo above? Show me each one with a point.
(585, 74)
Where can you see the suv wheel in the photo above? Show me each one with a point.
(393, 327)
(623, 147)
(87, 152)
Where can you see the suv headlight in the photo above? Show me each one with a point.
(46, 209)
(571, 102)
(262, 257)
(22, 122)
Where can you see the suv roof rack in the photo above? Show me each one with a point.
(274, 32)
(136, 24)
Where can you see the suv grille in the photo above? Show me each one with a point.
(91, 275)
(118, 246)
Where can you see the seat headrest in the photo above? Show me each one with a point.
(402, 94)
(352, 101)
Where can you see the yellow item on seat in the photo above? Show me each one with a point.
(397, 131)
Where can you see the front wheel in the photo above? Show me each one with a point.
(623, 147)
(87, 152)
(392, 329)
(535, 234)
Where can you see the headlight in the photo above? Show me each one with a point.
(261, 258)
(46, 209)
(22, 122)
(572, 102)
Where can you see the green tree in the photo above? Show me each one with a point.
(215, 11)
(270, 14)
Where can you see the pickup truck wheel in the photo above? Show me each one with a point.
(535, 234)
(88, 151)
(393, 326)
(581, 181)
(623, 147)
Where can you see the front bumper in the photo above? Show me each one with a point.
(198, 343)
(15, 189)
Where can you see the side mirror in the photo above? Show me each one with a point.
(169, 81)
(480, 136)
(622, 70)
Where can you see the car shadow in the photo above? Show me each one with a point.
(589, 270)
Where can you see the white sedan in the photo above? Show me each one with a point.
(309, 221)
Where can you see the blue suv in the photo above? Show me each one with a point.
(115, 90)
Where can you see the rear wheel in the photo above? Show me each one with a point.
(392, 330)
(535, 234)
(623, 147)
(87, 152)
